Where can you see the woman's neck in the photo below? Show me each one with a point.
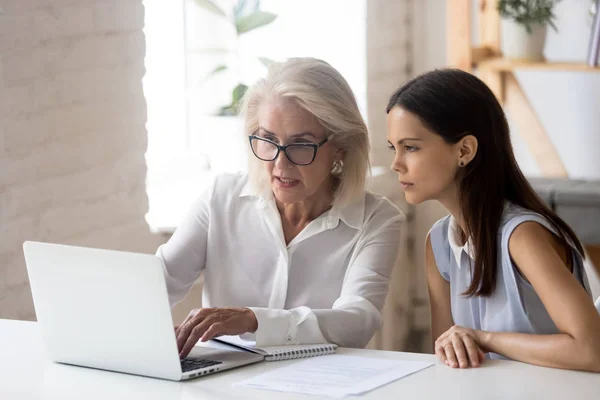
(452, 204)
(301, 213)
(296, 216)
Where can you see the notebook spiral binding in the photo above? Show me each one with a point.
(301, 353)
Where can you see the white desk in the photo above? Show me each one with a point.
(25, 374)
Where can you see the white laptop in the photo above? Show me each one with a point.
(109, 310)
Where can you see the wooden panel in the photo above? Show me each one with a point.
(489, 36)
(531, 129)
(481, 53)
(502, 64)
(489, 25)
(458, 34)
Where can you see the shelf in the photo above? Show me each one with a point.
(502, 64)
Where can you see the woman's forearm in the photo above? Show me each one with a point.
(557, 350)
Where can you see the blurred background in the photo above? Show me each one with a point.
(115, 113)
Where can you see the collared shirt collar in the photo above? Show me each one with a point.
(351, 214)
(457, 249)
(262, 196)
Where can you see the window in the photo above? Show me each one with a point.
(187, 143)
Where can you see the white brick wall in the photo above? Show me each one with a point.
(390, 63)
(72, 132)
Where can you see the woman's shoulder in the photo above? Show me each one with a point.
(229, 184)
(220, 189)
(380, 207)
(514, 215)
(231, 179)
(441, 225)
(438, 234)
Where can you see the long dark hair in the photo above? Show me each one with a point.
(453, 103)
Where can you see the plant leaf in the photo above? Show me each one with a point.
(238, 93)
(528, 12)
(208, 5)
(265, 61)
(253, 21)
(217, 70)
(236, 96)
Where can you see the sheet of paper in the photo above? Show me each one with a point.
(334, 375)
(238, 340)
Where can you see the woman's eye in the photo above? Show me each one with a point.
(391, 147)
(410, 149)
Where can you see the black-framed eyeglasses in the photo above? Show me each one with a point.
(297, 153)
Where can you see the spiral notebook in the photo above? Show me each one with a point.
(277, 353)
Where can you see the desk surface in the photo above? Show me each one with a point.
(25, 374)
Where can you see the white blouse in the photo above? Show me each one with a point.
(327, 285)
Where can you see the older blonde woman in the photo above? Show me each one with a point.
(297, 251)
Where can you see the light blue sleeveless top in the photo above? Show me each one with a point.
(514, 305)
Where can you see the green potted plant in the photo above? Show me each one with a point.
(524, 25)
(245, 16)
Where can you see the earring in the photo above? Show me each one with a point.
(461, 163)
(337, 167)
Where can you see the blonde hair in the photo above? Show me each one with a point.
(321, 90)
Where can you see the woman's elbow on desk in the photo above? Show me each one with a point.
(587, 356)
(591, 356)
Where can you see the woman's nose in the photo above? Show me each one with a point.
(282, 161)
(398, 165)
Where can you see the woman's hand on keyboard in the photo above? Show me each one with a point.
(206, 323)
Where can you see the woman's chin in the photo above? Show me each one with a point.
(413, 198)
(287, 195)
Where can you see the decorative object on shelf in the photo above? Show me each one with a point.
(594, 47)
(245, 17)
(524, 24)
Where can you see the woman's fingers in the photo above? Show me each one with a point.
(215, 330)
(207, 323)
(441, 354)
(473, 351)
(450, 355)
(439, 350)
(190, 315)
(460, 351)
(185, 329)
(195, 335)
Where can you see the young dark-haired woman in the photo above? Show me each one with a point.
(505, 273)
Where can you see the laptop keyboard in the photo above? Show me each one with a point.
(191, 363)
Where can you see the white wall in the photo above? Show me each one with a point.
(72, 134)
